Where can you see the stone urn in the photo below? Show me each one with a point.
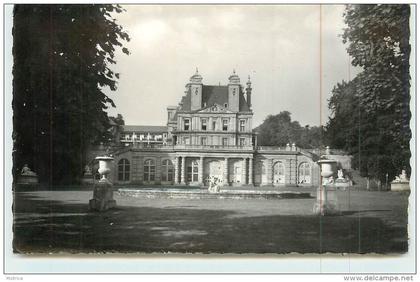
(104, 167)
(326, 198)
(328, 168)
(102, 191)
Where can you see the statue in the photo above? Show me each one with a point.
(214, 184)
(87, 176)
(27, 171)
(402, 177)
(27, 176)
(342, 183)
(88, 170)
(340, 174)
(401, 182)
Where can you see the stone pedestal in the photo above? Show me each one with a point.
(102, 197)
(102, 191)
(27, 180)
(87, 179)
(326, 201)
(400, 186)
(401, 182)
(326, 196)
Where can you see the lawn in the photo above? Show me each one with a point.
(56, 221)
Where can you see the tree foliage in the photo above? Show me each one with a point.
(370, 114)
(278, 130)
(62, 62)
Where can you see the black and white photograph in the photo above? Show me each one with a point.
(278, 131)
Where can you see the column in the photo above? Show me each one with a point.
(158, 170)
(243, 176)
(200, 171)
(135, 171)
(141, 169)
(226, 172)
(176, 170)
(251, 172)
(293, 179)
(183, 170)
(270, 171)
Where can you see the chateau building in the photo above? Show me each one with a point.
(210, 134)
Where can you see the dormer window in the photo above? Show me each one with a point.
(186, 124)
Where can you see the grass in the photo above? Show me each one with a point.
(55, 221)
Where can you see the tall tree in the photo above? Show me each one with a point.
(62, 61)
(370, 114)
(278, 130)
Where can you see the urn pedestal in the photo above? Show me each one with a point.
(326, 194)
(102, 191)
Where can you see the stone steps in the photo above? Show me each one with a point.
(204, 194)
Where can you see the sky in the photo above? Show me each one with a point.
(278, 46)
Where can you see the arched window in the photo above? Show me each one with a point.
(192, 172)
(123, 170)
(167, 170)
(278, 168)
(278, 173)
(304, 173)
(149, 170)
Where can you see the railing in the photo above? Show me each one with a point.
(277, 148)
(330, 152)
(153, 146)
(213, 147)
(124, 140)
(160, 145)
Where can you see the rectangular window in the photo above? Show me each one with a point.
(187, 140)
(225, 125)
(241, 142)
(186, 124)
(203, 141)
(203, 124)
(214, 125)
(242, 125)
(224, 141)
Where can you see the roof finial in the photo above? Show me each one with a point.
(234, 71)
(196, 70)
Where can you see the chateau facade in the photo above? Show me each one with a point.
(210, 134)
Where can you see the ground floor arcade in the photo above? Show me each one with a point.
(196, 168)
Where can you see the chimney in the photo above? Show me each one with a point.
(248, 92)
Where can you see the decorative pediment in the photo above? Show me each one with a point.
(216, 108)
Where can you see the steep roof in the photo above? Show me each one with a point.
(145, 128)
(211, 95)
